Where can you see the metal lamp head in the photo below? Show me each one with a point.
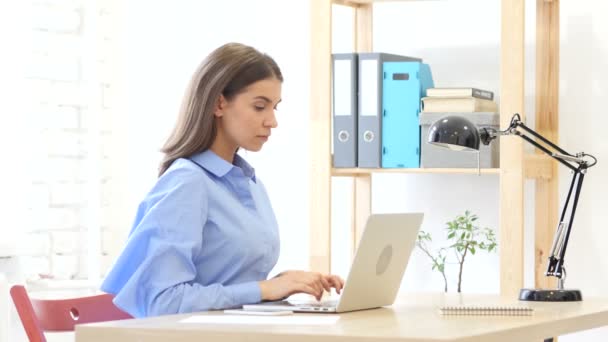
(455, 133)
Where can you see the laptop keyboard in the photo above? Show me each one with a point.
(313, 304)
(324, 304)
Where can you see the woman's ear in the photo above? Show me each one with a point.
(220, 106)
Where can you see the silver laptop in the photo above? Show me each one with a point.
(376, 272)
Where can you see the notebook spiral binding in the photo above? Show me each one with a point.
(486, 310)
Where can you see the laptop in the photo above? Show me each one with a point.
(376, 272)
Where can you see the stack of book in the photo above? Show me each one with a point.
(458, 100)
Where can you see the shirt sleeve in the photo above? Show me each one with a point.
(156, 272)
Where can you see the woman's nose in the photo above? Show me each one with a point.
(271, 121)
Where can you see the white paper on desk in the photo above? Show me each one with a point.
(274, 320)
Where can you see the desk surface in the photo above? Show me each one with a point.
(413, 318)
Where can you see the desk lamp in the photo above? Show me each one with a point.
(458, 133)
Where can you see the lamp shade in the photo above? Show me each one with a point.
(455, 133)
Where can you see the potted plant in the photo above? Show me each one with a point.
(464, 238)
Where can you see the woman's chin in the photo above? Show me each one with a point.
(253, 147)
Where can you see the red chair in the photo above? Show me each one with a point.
(39, 315)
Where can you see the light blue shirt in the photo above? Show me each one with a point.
(203, 238)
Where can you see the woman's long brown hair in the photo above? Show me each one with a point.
(226, 71)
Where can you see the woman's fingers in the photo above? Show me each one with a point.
(314, 283)
(303, 288)
(340, 281)
(319, 286)
(315, 290)
(324, 282)
(336, 282)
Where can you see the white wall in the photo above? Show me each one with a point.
(583, 88)
(460, 40)
(47, 123)
(12, 120)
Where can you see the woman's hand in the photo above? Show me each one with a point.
(291, 282)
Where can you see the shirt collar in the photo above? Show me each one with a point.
(220, 167)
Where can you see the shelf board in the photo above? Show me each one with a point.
(351, 172)
(356, 3)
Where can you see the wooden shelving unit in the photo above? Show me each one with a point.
(357, 172)
(515, 165)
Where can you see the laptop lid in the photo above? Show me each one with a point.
(377, 269)
(380, 261)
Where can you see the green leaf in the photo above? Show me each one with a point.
(472, 249)
(451, 235)
(424, 236)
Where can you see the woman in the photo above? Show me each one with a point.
(206, 237)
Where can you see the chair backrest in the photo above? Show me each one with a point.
(39, 315)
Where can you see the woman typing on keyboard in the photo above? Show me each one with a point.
(205, 237)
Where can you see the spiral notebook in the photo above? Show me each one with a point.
(505, 310)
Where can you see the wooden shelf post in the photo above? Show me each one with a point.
(362, 184)
(511, 147)
(547, 94)
(320, 135)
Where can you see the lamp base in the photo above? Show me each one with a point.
(541, 295)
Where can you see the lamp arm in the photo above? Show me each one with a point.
(517, 127)
(516, 124)
(555, 266)
(576, 163)
(579, 167)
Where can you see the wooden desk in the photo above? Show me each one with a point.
(414, 318)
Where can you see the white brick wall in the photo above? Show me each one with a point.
(57, 92)
(44, 117)
(67, 194)
(33, 267)
(49, 17)
(39, 244)
(57, 67)
(63, 143)
(45, 41)
(56, 169)
(55, 229)
(66, 242)
(64, 266)
(108, 241)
